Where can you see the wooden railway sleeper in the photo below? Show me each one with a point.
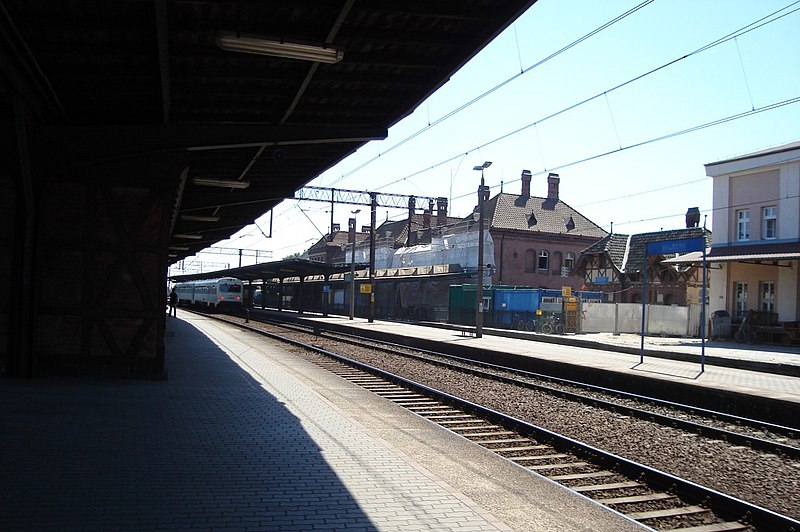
(460, 422)
(429, 413)
(466, 431)
(609, 486)
(470, 427)
(634, 499)
(505, 441)
(679, 511)
(731, 526)
(490, 434)
(570, 465)
(539, 457)
(580, 476)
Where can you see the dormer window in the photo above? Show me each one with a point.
(532, 220)
(570, 225)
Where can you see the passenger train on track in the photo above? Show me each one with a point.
(226, 292)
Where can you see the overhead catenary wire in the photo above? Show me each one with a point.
(763, 21)
(692, 129)
(711, 210)
(497, 87)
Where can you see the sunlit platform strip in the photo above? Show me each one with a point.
(747, 382)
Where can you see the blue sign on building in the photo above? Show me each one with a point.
(668, 247)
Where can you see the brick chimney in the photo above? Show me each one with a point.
(552, 186)
(526, 183)
(441, 211)
(693, 217)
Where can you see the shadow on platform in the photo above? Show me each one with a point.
(208, 449)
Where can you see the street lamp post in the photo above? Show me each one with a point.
(479, 287)
(352, 231)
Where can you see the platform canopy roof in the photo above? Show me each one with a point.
(753, 253)
(279, 269)
(122, 81)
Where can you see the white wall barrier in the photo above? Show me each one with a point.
(627, 318)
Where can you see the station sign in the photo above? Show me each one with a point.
(684, 245)
(365, 288)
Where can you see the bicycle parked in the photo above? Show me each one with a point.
(523, 323)
(552, 324)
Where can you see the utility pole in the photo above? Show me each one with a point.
(479, 288)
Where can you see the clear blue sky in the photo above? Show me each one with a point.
(612, 167)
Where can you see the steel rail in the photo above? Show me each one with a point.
(724, 506)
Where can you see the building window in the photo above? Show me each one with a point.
(569, 262)
(767, 296)
(770, 230)
(530, 260)
(743, 225)
(544, 260)
(741, 299)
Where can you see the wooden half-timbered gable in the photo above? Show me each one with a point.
(614, 266)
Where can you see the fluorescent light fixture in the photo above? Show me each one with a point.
(186, 236)
(199, 218)
(223, 183)
(252, 44)
(179, 248)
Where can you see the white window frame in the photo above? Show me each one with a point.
(770, 223)
(743, 225)
(740, 298)
(569, 261)
(766, 296)
(543, 254)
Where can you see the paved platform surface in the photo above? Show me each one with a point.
(783, 387)
(244, 436)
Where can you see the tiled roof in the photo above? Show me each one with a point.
(639, 242)
(613, 245)
(339, 239)
(534, 214)
(627, 251)
(397, 231)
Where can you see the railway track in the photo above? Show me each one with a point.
(657, 499)
(737, 430)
